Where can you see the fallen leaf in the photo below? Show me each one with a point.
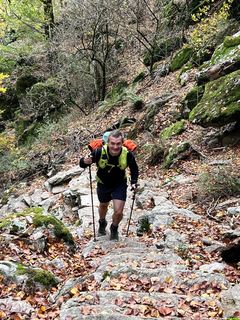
(74, 291)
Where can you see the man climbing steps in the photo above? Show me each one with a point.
(112, 160)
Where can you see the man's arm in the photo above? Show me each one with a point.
(85, 162)
(133, 168)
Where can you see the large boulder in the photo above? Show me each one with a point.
(220, 103)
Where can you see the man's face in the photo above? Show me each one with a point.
(115, 145)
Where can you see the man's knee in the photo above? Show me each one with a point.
(118, 213)
(103, 205)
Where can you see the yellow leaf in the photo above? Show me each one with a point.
(223, 286)
(168, 280)
(212, 314)
(74, 291)
(205, 295)
(212, 303)
(43, 308)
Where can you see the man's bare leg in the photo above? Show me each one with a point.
(118, 206)
(102, 210)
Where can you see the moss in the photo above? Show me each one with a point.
(181, 57)
(173, 154)
(60, 230)
(223, 53)
(220, 102)
(40, 276)
(175, 129)
(5, 222)
(186, 67)
(6, 65)
(193, 97)
(232, 41)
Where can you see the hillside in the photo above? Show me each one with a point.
(181, 257)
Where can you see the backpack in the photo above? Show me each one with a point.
(98, 143)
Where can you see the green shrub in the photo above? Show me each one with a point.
(208, 26)
(219, 182)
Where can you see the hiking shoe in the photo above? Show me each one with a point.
(114, 232)
(102, 227)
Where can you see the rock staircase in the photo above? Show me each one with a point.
(138, 279)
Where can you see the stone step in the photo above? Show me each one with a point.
(110, 305)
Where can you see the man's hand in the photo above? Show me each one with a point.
(88, 160)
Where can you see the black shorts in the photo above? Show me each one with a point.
(106, 193)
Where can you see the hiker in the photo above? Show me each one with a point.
(112, 159)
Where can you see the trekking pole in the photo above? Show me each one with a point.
(130, 216)
(90, 177)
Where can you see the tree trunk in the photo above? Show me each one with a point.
(49, 17)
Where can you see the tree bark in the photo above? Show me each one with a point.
(49, 17)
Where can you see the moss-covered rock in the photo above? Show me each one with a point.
(181, 57)
(38, 276)
(60, 230)
(220, 102)
(232, 41)
(39, 219)
(41, 103)
(155, 153)
(228, 50)
(175, 153)
(175, 129)
(45, 96)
